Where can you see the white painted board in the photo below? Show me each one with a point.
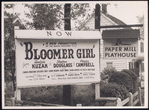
(41, 62)
(120, 48)
(48, 34)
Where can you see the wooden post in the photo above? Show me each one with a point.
(16, 27)
(97, 85)
(18, 94)
(130, 99)
(79, 105)
(13, 101)
(119, 102)
(97, 91)
(139, 96)
(67, 88)
(97, 26)
(97, 17)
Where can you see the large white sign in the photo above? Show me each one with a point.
(56, 62)
(120, 48)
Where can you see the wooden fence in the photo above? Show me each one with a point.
(132, 100)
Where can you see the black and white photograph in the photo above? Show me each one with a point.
(74, 54)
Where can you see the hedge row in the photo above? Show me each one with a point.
(121, 78)
(134, 79)
(113, 90)
(119, 84)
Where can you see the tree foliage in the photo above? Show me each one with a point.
(79, 10)
(51, 16)
(45, 16)
(9, 52)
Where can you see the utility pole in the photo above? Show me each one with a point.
(67, 88)
(97, 17)
(97, 26)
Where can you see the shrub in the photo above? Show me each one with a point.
(9, 90)
(107, 72)
(133, 77)
(113, 90)
(123, 79)
(83, 94)
(52, 94)
(102, 82)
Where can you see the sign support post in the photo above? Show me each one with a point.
(17, 93)
(97, 26)
(67, 88)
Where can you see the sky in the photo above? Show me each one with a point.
(127, 11)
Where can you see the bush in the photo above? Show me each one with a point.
(83, 94)
(123, 79)
(52, 94)
(102, 82)
(105, 74)
(9, 90)
(134, 79)
(113, 90)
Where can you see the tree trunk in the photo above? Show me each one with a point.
(13, 81)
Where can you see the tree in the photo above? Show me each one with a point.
(51, 16)
(9, 44)
(9, 52)
(44, 16)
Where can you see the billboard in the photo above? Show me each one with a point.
(120, 48)
(41, 62)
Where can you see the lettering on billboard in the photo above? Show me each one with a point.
(125, 49)
(58, 33)
(50, 62)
